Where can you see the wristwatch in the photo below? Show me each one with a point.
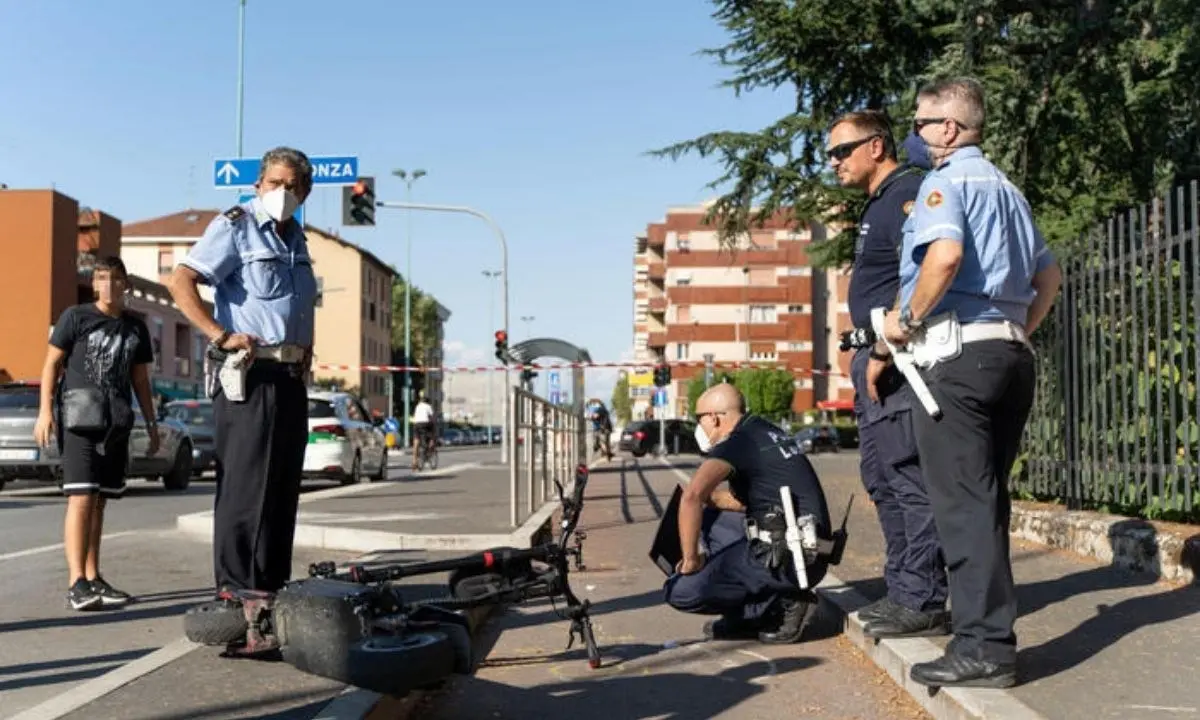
(907, 322)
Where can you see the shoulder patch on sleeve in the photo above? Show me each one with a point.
(935, 198)
(908, 206)
(235, 213)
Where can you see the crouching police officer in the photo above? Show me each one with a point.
(749, 575)
(863, 154)
(255, 256)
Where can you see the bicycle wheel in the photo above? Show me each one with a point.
(433, 458)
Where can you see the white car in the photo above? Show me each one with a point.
(343, 442)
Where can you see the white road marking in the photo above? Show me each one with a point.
(59, 546)
(94, 689)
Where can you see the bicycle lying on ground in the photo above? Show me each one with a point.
(356, 627)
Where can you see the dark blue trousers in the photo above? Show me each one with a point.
(914, 570)
(733, 582)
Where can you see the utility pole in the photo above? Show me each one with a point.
(490, 275)
(241, 81)
(408, 181)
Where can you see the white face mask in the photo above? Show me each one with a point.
(702, 439)
(280, 203)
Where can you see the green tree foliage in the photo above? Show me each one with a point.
(768, 392)
(424, 320)
(1092, 106)
(622, 405)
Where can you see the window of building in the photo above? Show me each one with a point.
(799, 271)
(800, 346)
(762, 276)
(683, 313)
(683, 244)
(799, 309)
(762, 313)
(683, 280)
(166, 260)
(156, 342)
(200, 344)
(371, 310)
(763, 355)
(682, 350)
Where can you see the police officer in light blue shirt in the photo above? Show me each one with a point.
(256, 258)
(971, 255)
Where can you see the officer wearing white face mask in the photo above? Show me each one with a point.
(746, 574)
(255, 256)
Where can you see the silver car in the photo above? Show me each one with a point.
(20, 457)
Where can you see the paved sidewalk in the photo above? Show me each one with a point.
(1095, 641)
(459, 507)
(656, 662)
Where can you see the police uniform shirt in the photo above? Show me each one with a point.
(263, 278)
(875, 279)
(969, 200)
(764, 459)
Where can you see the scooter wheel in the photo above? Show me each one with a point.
(215, 623)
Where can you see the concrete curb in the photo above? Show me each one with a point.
(897, 656)
(1130, 543)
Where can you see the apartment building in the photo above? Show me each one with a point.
(151, 248)
(51, 245)
(354, 318)
(764, 305)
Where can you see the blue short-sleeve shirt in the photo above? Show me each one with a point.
(261, 274)
(970, 201)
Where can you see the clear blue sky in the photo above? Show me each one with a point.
(535, 112)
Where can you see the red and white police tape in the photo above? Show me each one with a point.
(572, 366)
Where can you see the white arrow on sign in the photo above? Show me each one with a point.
(228, 171)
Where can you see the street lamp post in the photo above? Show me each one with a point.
(490, 275)
(241, 82)
(504, 439)
(408, 181)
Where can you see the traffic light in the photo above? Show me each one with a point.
(662, 375)
(502, 346)
(358, 202)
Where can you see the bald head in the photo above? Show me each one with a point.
(718, 411)
(721, 398)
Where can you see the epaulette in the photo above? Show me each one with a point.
(235, 213)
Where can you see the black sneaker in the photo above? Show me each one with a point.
(81, 596)
(108, 594)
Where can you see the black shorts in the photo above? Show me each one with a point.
(90, 465)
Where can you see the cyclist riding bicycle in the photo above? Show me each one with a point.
(423, 427)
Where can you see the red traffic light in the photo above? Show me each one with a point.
(360, 187)
(501, 336)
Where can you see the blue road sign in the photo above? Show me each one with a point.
(391, 425)
(299, 214)
(554, 399)
(553, 379)
(327, 170)
(660, 397)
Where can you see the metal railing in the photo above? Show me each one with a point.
(548, 442)
(1116, 419)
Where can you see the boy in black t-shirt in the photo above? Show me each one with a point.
(97, 347)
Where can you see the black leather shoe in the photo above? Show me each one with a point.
(904, 622)
(881, 608)
(796, 613)
(954, 670)
(731, 628)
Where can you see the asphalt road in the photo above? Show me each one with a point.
(47, 650)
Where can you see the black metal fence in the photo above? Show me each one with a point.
(1116, 422)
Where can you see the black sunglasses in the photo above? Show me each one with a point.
(843, 151)
(919, 124)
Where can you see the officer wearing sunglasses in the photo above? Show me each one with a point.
(862, 153)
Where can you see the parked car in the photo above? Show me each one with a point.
(818, 438)
(642, 436)
(197, 417)
(20, 457)
(345, 442)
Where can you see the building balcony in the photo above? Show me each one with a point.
(658, 305)
(657, 340)
(657, 271)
